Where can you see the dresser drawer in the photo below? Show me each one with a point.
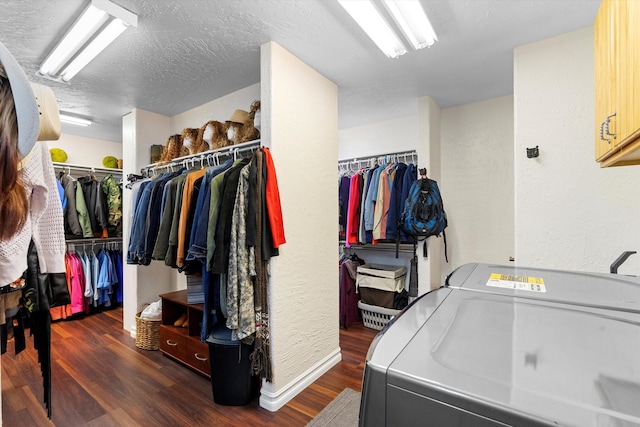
(198, 355)
(172, 342)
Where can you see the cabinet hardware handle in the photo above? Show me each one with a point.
(171, 343)
(606, 125)
(602, 138)
(200, 358)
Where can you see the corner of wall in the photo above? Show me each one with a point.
(300, 127)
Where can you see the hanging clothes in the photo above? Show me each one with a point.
(96, 205)
(113, 195)
(375, 201)
(220, 225)
(349, 311)
(71, 223)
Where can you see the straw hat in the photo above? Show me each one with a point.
(239, 116)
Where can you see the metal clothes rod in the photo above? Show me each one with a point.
(386, 247)
(377, 156)
(96, 240)
(80, 168)
(359, 162)
(209, 158)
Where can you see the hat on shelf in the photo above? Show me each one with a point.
(110, 162)
(239, 116)
(58, 155)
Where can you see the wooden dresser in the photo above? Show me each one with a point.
(180, 343)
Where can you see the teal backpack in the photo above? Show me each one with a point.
(424, 214)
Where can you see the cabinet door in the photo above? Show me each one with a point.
(623, 121)
(605, 75)
(617, 74)
(629, 69)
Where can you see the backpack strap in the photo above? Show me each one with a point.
(444, 236)
(397, 238)
(424, 247)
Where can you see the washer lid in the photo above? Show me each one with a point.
(508, 357)
(592, 289)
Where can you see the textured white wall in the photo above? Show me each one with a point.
(569, 213)
(219, 109)
(388, 136)
(142, 284)
(87, 151)
(300, 125)
(477, 182)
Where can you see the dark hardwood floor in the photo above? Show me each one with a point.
(100, 378)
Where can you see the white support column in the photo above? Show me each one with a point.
(300, 126)
(142, 284)
(429, 157)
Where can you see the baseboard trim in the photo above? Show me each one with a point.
(273, 401)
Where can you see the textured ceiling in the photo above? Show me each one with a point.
(185, 53)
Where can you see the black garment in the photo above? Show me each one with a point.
(252, 201)
(96, 203)
(41, 292)
(220, 262)
(153, 215)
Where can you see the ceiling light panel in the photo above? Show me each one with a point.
(100, 24)
(73, 120)
(413, 21)
(365, 13)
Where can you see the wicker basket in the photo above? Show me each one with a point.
(147, 333)
(375, 317)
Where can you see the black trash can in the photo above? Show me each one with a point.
(231, 380)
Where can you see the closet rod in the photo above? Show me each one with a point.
(345, 162)
(386, 247)
(96, 240)
(193, 159)
(81, 168)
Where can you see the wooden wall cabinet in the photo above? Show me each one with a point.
(179, 343)
(617, 80)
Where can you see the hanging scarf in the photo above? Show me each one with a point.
(261, 356)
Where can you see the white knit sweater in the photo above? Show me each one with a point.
(45, 224)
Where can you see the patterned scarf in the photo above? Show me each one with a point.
(261, 356)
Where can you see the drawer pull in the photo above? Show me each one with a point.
(171, 343)
(200, 358)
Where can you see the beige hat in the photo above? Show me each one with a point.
(48, 112)
(239, 116)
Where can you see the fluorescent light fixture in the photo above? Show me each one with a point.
(73, 120)
(99, 25)
(413, 21)
(372, 22)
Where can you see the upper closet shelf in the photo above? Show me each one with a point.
(81, 168)
(206, 158)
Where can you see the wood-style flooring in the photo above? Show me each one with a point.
(100, 378)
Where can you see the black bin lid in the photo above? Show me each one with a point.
(221, 335)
